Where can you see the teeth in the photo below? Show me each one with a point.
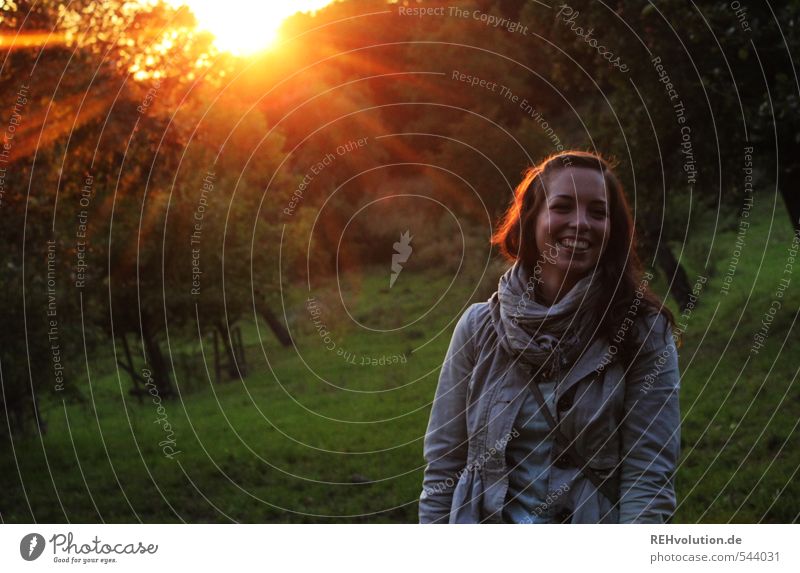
(573, 244)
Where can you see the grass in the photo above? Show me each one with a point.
(293, 441)
(741, 408)
(290, 442)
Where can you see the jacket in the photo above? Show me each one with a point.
(623, 418)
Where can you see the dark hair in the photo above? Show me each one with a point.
(619, 271)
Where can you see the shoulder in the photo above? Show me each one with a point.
(474, 321)
(475, 315)
(652, 330)
(481, 312)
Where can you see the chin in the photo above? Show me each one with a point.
(579, 272)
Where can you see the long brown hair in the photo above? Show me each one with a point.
(619, 270)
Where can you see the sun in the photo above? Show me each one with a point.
(245, 27)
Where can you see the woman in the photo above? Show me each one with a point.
(558, 398)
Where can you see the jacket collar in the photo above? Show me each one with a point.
(586, 364)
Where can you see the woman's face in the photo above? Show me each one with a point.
(572, 227)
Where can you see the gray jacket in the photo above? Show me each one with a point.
(624, 421)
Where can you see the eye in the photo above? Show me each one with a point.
(598, 210)
(561, 208)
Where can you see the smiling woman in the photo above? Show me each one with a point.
(595, 426)
(244, 27)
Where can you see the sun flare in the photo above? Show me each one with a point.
(244, 27)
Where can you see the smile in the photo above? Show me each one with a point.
(574, 245)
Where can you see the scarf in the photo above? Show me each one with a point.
(544, 337)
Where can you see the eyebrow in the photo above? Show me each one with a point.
(572, 197)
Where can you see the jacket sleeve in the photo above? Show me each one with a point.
(446, 441)
(651, 427)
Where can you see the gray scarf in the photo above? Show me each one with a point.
(545, 337)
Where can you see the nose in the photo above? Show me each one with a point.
(580, 220)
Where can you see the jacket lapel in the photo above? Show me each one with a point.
(586, 364)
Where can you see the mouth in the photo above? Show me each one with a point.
(576, 246)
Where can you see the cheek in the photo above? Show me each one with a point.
(543, 221)
(601, 228)
(606, 234)
(543, 225)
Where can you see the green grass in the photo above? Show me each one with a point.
(284, 445)
(740, 409)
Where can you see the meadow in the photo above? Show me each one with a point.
(312, 434)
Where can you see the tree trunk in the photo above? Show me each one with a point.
(233, 372)
(679, 286)
(275, 325)
(156, 363)
(135, 389)
(791, 198)
(37, 414)
(788, 176)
